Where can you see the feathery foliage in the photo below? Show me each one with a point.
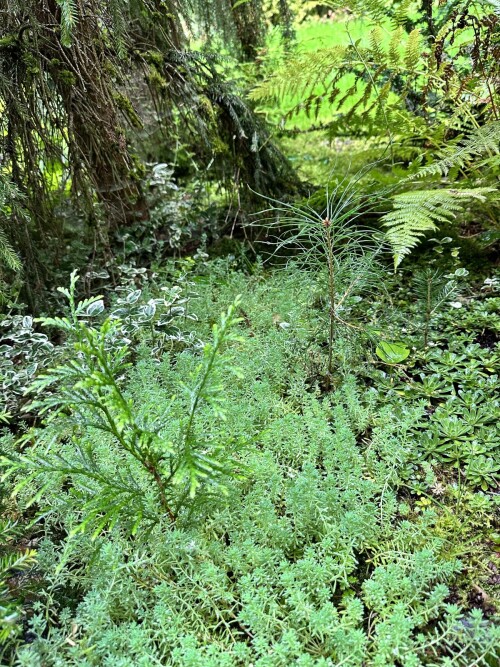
(10, 203)
(86, 389)
(69, 18)
(465, 155)
(325, 553)
(14, 561)
(387, 83)
(7, 253)
(419, 211)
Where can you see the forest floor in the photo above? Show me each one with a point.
(363, 518)
(354, 520)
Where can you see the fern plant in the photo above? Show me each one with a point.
(389, 83)
(418, 211)
(69, 18)
(478, 149)
(85, 394)
(352, 84)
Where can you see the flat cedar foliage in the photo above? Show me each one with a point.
(249, 333)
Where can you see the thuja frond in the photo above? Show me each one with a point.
(417, 212)
(195, 465)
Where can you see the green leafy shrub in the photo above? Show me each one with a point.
(86, 390)
(138, 317)
(23, 352)
(155, 321)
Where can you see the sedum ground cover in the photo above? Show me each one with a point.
(358, 526)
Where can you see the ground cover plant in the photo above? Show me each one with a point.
(250, 398)
(333, 541)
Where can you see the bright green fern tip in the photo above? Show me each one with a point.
(417, 212)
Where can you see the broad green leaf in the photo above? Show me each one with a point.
(392, 353)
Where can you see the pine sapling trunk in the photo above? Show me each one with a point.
(331, 291)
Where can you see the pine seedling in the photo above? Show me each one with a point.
(330, 239)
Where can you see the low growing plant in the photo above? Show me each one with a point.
(433, 288)
(14, 560)
(84, 395)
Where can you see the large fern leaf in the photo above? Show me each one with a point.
(312, 80)
(417, 212)
(69, 17)
(482, 141)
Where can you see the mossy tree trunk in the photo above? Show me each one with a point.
(82, 76)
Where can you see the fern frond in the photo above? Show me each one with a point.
(376, 41)
(117, 12)
(401, 12)
(481, 141)
(312, 80)
(395, 46)
(69, 18)
(374, 10)
(413, 49)
(301, 75)
(417, 212)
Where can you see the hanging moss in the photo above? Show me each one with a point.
(219, 147)
(125, 105)
(9, 42)
(67, 77)
(156, 81)
(154, 58)
(31, 64)
(138, 171)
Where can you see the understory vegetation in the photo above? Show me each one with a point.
(250, 333)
